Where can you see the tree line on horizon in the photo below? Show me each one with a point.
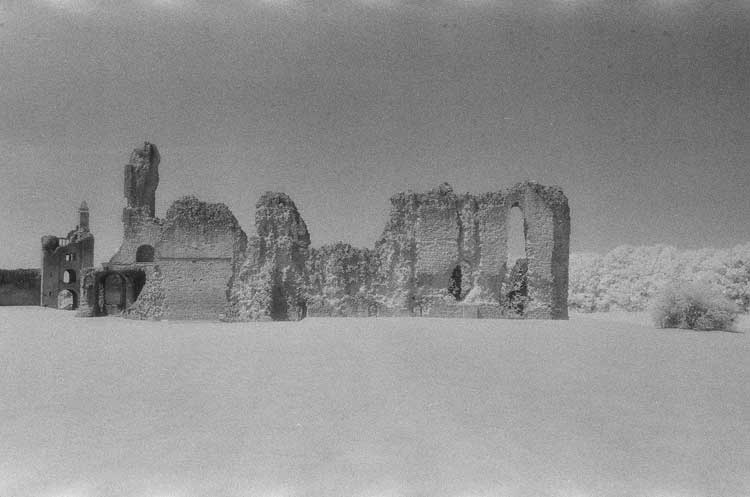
(630, 278)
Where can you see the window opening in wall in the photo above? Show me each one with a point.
(69, 276)
(454, 285)
(516, 288)
(67, 300)
(145, 253)
(70, 257)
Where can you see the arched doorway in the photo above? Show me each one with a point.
(145, 253)
(114, 292)
(279, 308)
(67, 300)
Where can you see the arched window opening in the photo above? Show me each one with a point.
(69, 276)
(516, 287)
(145, 253)
(454, 285)
(67, 300)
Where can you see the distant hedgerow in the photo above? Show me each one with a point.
(693, 306)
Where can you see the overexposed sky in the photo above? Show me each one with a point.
(637, 109)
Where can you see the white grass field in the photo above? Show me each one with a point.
(369, 408)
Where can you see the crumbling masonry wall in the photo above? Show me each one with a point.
(429, 235)
(272, 282)
(179, 267)
(197, 253)
(198, 250)
(342, 281)
(440, 254)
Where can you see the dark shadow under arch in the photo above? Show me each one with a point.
(112, 299)
(454, 284)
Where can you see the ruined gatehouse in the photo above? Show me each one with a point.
(441, 254)
(63, 260)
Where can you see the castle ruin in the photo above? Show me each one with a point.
(441, 254)
(63, 260)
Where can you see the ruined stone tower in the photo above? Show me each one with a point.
(178, 267)
(141, 228)
(142, 178)
(63, 259)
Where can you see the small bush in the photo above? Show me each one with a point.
(693, 306)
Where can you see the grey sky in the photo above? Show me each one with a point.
(637, 109)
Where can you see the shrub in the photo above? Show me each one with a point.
(693, 306)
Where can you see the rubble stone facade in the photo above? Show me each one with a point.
(441, 254)
(179, 267)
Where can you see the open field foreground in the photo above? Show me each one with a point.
(370, 408)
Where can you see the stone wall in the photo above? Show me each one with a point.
(271, 283)
(431, 237)
(196, 250)
(19, 286)
(440, 254)
(200, 248)
(139, 230)
(341, 281)
(179, 267)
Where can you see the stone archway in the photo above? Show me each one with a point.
(67, 299)
(113, 292)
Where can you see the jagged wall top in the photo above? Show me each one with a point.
(277, 216)
(552, 196)
(142, 178)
